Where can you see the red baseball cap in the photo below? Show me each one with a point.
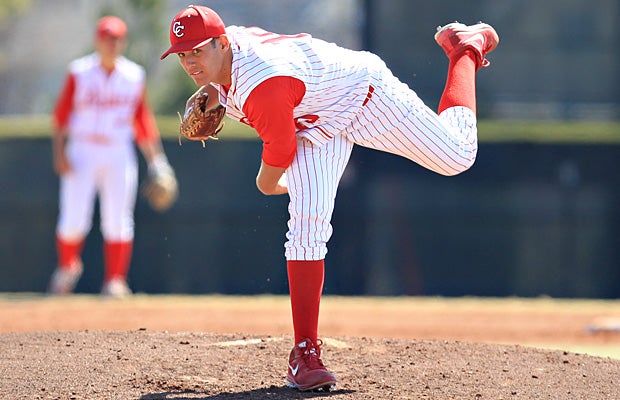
(111, 26)
(194, 27)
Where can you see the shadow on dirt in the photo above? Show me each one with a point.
(272, 393)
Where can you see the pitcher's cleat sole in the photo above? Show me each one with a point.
(323, 387)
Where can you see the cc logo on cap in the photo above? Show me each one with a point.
(177, 29)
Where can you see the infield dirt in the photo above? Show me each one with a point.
(217, 347)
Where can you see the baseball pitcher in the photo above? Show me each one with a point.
(310, 102)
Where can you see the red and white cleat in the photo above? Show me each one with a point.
(306, 370)
(455, 38)
(116, 288)
(63, 280)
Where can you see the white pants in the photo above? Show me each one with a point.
(110, 171)
(394, 120)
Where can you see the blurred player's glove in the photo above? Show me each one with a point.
(198, 123)
(160, 188)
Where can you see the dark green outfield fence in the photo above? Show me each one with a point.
(527, 220)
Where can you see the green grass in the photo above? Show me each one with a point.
(549, 131)
(40, 126)
(491, 131)
(12, 127)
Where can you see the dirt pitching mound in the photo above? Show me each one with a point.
(143, 364)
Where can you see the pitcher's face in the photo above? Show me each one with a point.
(210, 63)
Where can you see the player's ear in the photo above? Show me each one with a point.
(224, 41)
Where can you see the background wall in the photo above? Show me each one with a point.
(526, 220)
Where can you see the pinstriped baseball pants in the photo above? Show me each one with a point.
(393, 120)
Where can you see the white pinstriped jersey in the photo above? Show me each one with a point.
(104, 105)
(351, 98)
(336, 79)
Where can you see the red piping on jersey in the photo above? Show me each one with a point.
(369, 95)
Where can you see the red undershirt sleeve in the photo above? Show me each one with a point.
(64, 103)
(144, 121)
(269, 109)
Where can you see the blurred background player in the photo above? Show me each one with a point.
(100, 113)
(310, 102)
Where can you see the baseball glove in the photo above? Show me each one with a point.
(160, 188)
(198, 123)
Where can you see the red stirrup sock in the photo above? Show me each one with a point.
(460, 89)
(117, 256)
(305, 280)
(68, 253)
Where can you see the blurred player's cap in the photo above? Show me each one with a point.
(111, 26)
(194, 27)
